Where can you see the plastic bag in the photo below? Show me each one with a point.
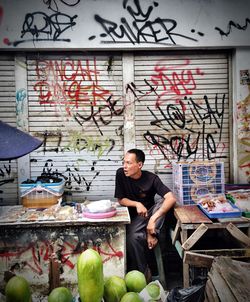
(193, 293)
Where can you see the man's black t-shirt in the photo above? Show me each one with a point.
(143, 189)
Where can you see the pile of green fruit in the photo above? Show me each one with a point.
(92, 286)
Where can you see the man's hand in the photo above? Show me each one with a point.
(151, 234)
(152, 241)
(151, 227)
(141, 210)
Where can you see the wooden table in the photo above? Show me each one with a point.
(193, 225)
(46, 252)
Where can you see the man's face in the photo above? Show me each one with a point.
(131, 167)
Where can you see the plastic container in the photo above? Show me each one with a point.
(41, 195)
(195, 179)
(198, 173)
(190, 194)
(236, 212)
(39, 199)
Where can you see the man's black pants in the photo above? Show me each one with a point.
(138, 252)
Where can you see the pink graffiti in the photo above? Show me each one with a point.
(176, 81)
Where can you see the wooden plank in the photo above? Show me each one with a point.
(175, 234)
(240, 253)
(197, 234)
(199, 260)
(191, 214)
(224, 293)
(179, 248)
(210, 292)
(236, 274)
(185, 275)
(238, 234)
(54, 273)
(234, 220)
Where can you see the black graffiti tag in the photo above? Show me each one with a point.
(103, 113)
(139, 94)
(190, 120)
(5, 173)
(70, 175)
(232, 24)
(53, 4)
(46, 28)
(141, 29)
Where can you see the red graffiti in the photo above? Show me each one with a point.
(176, 81)
(6, 41)
(40, 254)
(69, 83)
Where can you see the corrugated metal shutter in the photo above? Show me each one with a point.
(8, 169)
(182, 109)
(76, 107)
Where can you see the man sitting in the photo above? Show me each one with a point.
(136, 189)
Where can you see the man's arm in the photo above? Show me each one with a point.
(168, 202)
(141, 210)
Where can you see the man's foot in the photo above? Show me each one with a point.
(148, 275)
(152, 241)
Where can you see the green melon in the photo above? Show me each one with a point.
(90, 276)
(135, 281)
(114, 289)
(17, 289)
(131, 297)
(153, 290)
(60, 294)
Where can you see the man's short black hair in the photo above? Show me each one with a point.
(139, 154)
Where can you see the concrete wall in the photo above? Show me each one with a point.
(105, 24)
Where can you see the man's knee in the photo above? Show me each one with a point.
(134, 238)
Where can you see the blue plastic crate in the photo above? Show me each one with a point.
(198, 173)
(190, 194)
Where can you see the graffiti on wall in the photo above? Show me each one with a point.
(184, 123)
(21, 99)
(6, 177)
(73, 177)
(76, 142)
(183, 119)
(54, 5)
(140, 27)
(70, 84)
(42, 246)
(233, 25)
(140, 23)
(179, 125)
(40, 26)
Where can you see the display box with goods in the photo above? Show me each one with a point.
(192, 180)
(218, 206)
(41, 193)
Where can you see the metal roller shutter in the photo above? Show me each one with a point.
(8, 169)
(182, 109)
(76, 107)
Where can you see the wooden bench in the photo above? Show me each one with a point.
(192, 225)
